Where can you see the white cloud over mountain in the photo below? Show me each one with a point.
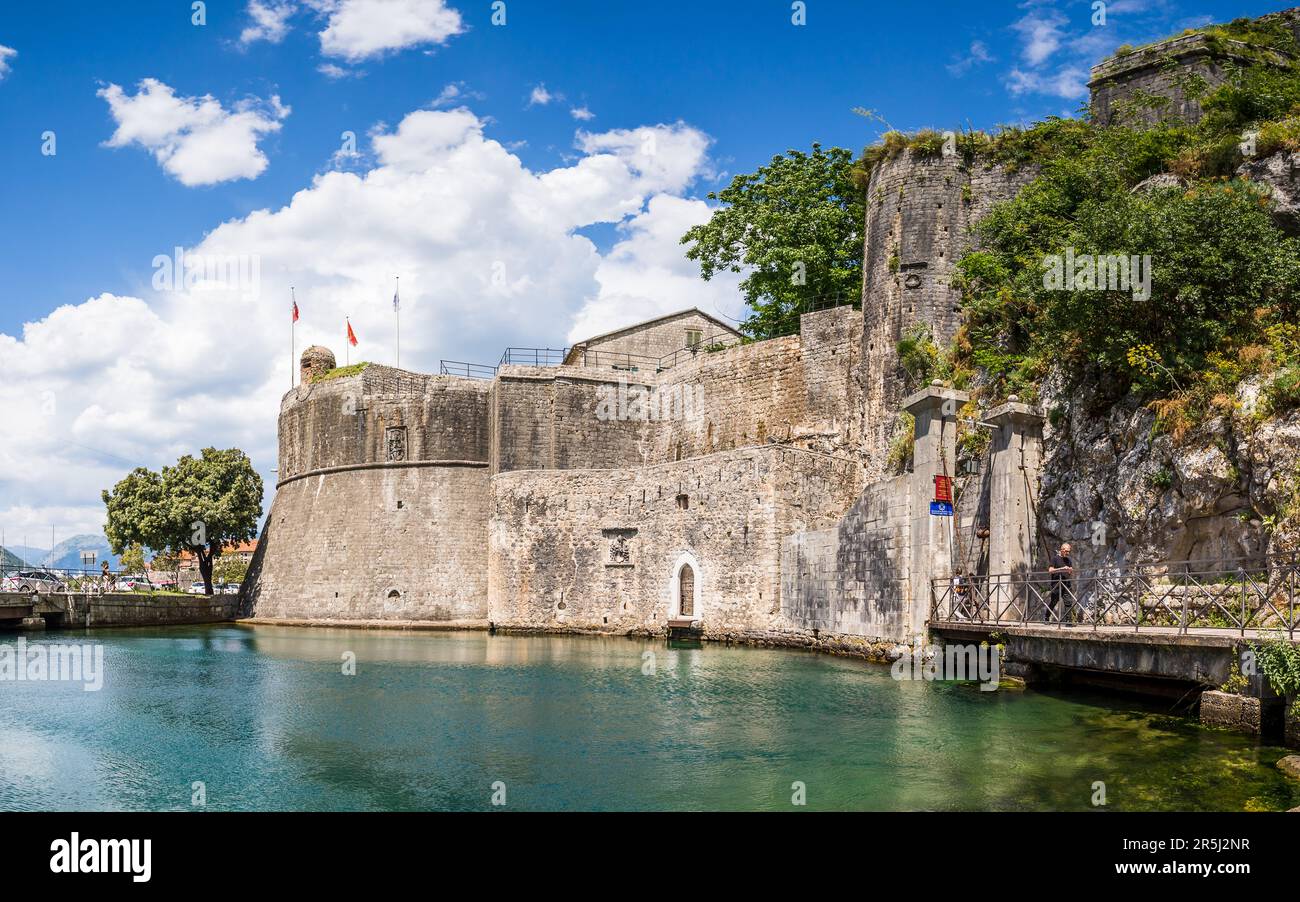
(490, 253)
(196, 140)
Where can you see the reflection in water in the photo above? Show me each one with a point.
(266, 719)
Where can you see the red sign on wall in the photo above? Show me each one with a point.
(943, 489)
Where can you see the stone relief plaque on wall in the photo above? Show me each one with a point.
(395, 438)
(620, 547)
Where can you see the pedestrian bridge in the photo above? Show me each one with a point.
(1184, 622)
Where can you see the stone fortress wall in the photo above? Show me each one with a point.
(552, 499)
(439, 499)
(381, 504)
(601, 550)
(1179, 70)
(920, 214)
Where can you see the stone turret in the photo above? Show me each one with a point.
(316, 361)
(1168, 80)
(920, 212)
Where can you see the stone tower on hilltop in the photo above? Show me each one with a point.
(1167, 80)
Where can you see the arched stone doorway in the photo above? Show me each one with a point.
(685, 590)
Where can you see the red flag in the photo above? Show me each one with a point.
(352, 336)
(295, 311)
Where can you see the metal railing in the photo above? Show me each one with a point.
(1184, 596)
(618, 360)
(534, 356)
(468, 370)
(28, 580)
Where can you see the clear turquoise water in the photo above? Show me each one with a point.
(266, 720)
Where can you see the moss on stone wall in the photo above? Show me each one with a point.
(342, 372)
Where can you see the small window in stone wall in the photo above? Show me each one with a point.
(693, 337)
(684, 501)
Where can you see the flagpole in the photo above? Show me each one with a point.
(293, 338)
(347, 342)
(397, 309)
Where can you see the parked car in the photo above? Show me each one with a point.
(33, 581)
(132, 584)
(197, 589)
(226, 588)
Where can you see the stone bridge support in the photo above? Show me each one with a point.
(1016, 458)
(934, 454)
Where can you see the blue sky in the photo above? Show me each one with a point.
(528, 181)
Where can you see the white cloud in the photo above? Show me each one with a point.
(490, 254)
(456, 92)
(335, 73)
(270, 21)
(1069, 82)
(6, 54)
(1041, 32)
(541, 96)
(647, 274)
(195, 139)
(978, 55)
(582, 114)
(361, 29)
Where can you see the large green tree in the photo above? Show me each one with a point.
(795, 227)
(199, 505)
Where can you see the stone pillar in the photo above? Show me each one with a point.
(934, 454)
(1017, 455)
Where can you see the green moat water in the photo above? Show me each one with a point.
(266, 720)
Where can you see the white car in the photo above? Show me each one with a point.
(132, 584)
(197, 589)
(27, 581)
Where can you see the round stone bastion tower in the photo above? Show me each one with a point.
(382, 500)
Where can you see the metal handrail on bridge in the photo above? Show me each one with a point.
(84, 581)
(1256, 594)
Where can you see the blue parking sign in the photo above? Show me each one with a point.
(940, 509)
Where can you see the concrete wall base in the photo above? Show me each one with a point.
(1253, 716)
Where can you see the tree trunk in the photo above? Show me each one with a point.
(205, 569)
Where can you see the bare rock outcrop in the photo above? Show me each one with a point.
(1280, 173)
(1124, 492)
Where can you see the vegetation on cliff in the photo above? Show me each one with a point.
(1224, 278)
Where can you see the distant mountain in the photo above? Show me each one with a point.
(28, 554)
(67, 554)
(9, 559)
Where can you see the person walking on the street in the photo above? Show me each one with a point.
(105, 578)
(1062, 572)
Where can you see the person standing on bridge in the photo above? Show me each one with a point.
(1062, 572)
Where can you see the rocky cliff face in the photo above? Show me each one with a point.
(1124, 493)
(1280, 173)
